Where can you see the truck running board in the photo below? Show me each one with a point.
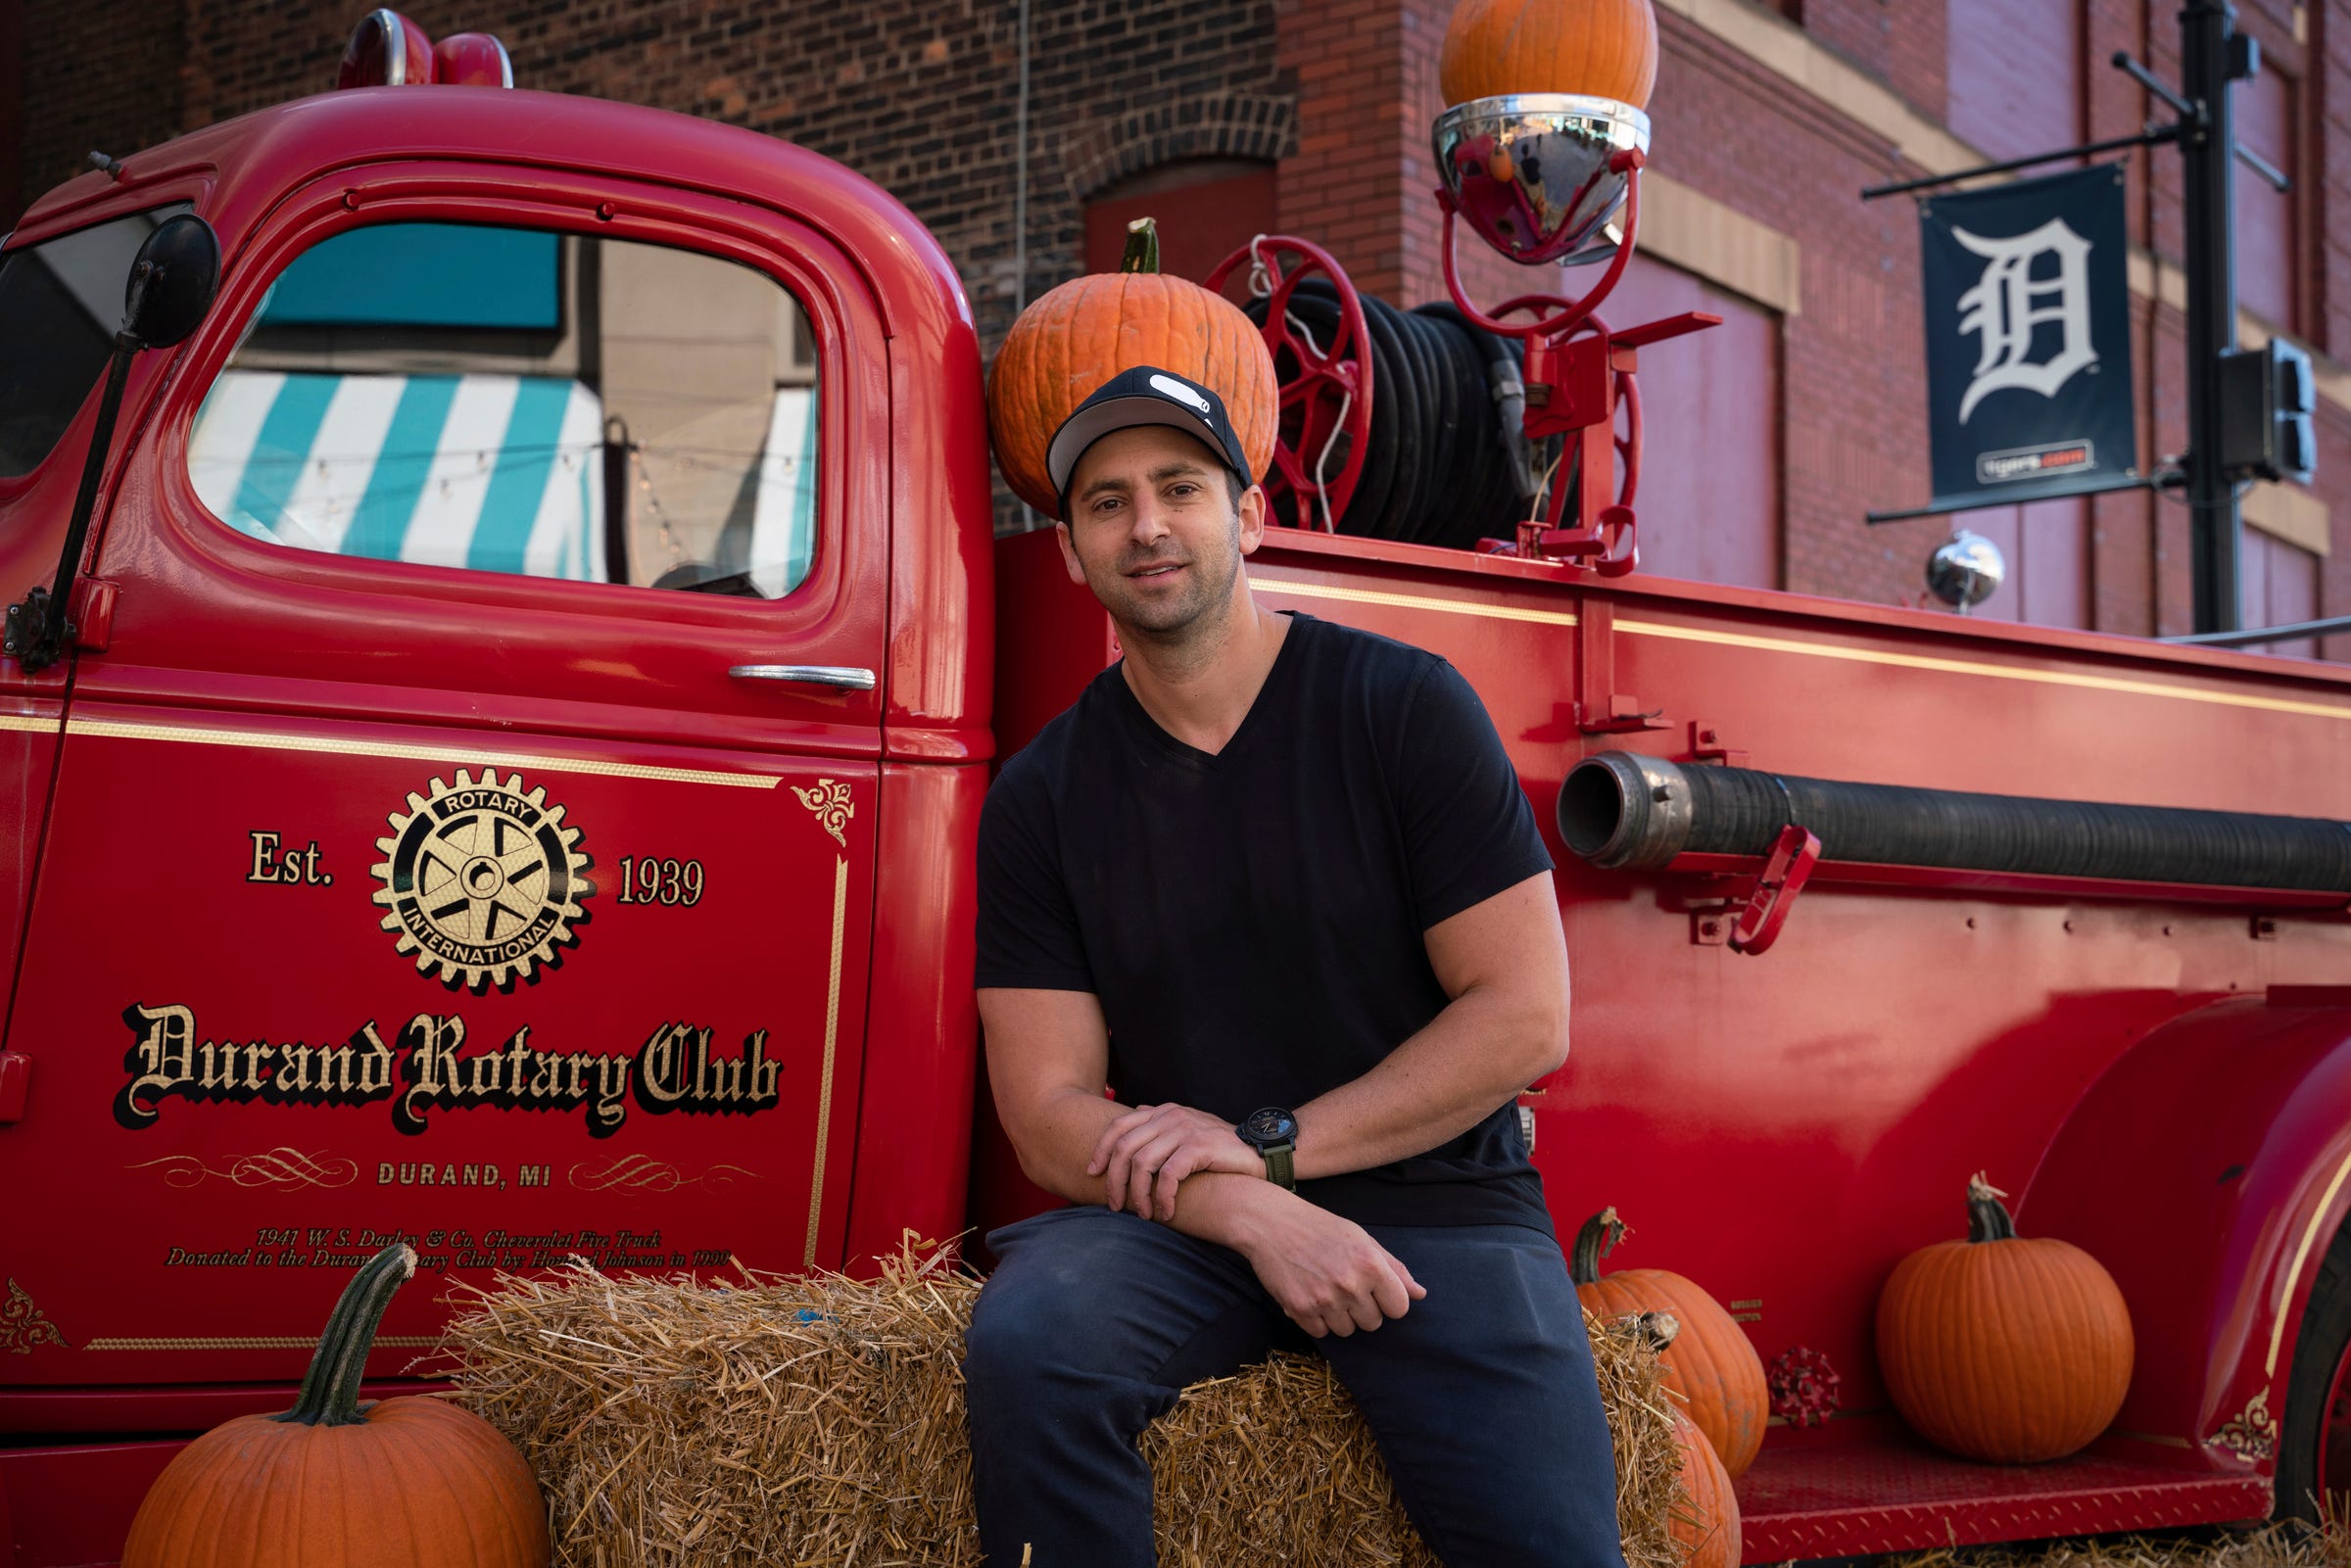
(1890, 1493)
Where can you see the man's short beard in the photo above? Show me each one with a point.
(1204, 611)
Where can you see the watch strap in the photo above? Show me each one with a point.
(1277, 1165)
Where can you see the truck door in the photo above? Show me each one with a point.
(465, 836)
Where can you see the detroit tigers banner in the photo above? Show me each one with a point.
(2028, 340)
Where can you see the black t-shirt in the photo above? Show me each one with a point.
(1252, 921)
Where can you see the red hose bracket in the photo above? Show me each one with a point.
(1786, 870)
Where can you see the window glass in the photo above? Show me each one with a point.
(515, 400)
(60, 304)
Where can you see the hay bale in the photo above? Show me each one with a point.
(820, 1419)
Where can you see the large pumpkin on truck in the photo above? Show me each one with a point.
(2004, 1347)
(1595, 48)
(1091, 329)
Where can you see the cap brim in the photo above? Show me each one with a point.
(1090, 424)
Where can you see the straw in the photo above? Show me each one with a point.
(819, 1419)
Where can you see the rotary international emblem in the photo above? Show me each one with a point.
(484, 880)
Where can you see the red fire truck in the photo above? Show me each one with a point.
(509, 778)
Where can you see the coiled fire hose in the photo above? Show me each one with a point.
(1448, 462)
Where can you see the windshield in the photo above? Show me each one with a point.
(61, 301)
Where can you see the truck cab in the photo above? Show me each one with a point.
(526, 634)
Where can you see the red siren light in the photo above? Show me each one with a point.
(388, 50)
(472, 60)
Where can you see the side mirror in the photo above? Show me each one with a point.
(171, 282)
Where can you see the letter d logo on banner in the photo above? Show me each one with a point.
(2028, 317)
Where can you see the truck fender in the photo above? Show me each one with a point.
(2207, 1169)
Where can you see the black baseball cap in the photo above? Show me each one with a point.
(1143, 396)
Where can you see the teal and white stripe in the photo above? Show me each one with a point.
(784, 521)
(499, 473)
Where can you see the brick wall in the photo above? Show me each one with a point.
(1901, 42)
(920, 95)
(12, 110)
(106, 77)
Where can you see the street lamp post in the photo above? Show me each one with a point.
(2213, 54)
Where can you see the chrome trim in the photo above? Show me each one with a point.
(1531, 172)
(396, 46)
(843, 677)
(1623, 118)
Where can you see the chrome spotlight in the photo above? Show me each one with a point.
(1530, 172)
(1965, 570)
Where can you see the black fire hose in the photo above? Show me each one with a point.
(1620, 809)
(1448, 462)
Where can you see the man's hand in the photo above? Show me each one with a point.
(1148, 1151)
(1326, 1273)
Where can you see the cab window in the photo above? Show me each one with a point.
(516, 401)
(60, 304)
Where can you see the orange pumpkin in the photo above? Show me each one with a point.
(1090, 328)
(1712, 1365)
(2004, 1347)
(1709, 1532)
(1598, 48)
(328, 1485)
(1706, 1522)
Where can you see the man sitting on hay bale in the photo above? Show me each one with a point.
(1275, 881)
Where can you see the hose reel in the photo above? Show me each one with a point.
(1394, 424)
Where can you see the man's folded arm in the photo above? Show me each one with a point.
(1504, 963)
(1048, 1058)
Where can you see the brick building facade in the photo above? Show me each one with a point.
(1771, 437)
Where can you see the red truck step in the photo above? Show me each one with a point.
(1893, 1494)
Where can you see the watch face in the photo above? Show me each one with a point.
(1270, 1126)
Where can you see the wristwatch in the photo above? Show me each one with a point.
(1274, 1133)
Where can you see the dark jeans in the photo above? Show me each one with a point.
(1481, 1397)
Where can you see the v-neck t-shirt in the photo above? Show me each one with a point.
(1251, 920)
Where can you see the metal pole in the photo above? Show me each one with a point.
(2208, 152)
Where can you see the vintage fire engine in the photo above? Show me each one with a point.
(505, 774)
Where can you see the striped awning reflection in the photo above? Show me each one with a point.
(497, 473)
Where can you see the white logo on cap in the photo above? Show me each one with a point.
(1181, 393)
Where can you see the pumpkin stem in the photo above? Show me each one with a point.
(1988, 1218)
(330, 1388)
(1142, 247)
(1600, 1233)
(1657, 1330)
